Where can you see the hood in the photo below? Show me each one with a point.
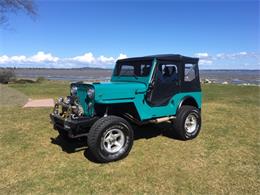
(117, 90)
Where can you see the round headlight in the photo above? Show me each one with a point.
(73, 90)
(90, 93)
(68, 100)
(60, 99)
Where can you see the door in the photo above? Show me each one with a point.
(164, 85)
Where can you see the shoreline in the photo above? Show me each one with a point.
(237, 77)
(204, 81)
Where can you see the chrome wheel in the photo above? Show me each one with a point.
(190, 123)
(113, 141)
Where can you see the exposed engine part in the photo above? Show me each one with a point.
(68, 107)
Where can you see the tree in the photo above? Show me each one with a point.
(6, 75)
(13, 6)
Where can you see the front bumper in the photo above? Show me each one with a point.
(74, 127)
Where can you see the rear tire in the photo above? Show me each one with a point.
(110, 139)
(188, 122)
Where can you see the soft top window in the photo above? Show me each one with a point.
(133, 68)
(189, 74)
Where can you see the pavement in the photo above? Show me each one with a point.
(39, 103)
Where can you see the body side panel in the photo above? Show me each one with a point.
(146, 112)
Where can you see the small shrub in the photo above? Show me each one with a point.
(24, 81)
(6, 75)
(40, 79)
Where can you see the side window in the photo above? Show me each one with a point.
(168, 72)
(189, 74)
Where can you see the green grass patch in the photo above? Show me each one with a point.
(223, 159)
(43, 89)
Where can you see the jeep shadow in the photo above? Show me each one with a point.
(144, 132)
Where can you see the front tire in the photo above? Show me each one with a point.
(110, 139)
(188, 122)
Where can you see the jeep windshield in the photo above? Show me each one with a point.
(133, 68)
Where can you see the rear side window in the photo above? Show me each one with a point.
(189, 74)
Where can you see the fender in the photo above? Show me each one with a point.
(191, 103)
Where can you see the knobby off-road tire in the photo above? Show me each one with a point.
(110, 139)
(188, 122)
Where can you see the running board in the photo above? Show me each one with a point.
(156, 121)
(163, 119)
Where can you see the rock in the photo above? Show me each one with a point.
(207, 81)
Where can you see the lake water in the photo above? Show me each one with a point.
(218, 76)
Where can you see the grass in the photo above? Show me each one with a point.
(10, 96)
(45, 89)
(223, 159)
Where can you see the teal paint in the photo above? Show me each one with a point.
(117, 92)
(120, 92)
(84, 100)
(81, 94)
(131, 90)
(147, 112)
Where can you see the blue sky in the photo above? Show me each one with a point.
(224, 34)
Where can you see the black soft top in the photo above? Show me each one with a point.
(162, 57)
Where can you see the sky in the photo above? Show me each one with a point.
(72, 34)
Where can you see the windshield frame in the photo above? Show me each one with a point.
(130, 78)
(135, 65)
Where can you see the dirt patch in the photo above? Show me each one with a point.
(39, 103)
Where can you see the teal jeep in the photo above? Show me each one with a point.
(142, 90)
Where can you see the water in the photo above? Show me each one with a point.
(232, 76)
(217, 76)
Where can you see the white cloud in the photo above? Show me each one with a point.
(42, 57)
(220, 55)
(18, 58)
(243, 53)
(121, 56)
(106, 60)
(205, 62)
(14, 59)
(86, 58)
(205, 58)
(234, 56)
(229, 60)
(4, 59)
(48, 60)
(201, 55)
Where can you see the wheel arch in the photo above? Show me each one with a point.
(188, 101)
(118, 109)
